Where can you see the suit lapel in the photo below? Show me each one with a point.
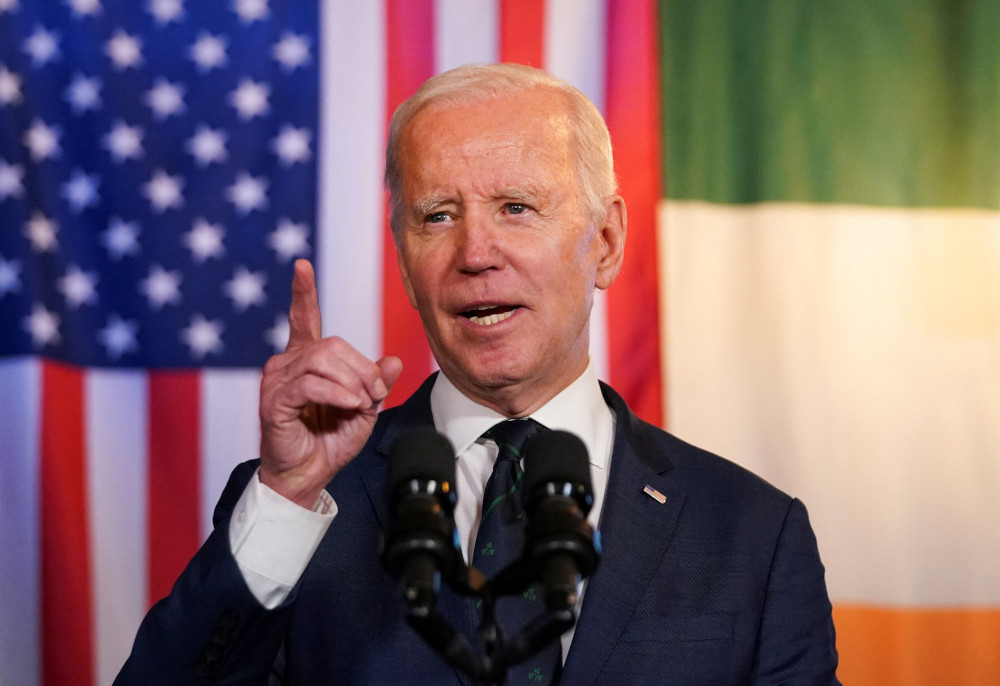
(635, 530)
(412, 414)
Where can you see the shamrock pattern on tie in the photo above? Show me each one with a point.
(501, 540)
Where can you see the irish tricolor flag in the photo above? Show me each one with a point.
(829, 250)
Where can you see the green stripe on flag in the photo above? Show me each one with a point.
(872, 102)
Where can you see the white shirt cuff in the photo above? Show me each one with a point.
(273, 539)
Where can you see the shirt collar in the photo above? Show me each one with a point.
(579, 408)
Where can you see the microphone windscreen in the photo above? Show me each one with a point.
(420, 454)
(556, 457)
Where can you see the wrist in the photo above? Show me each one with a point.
(304, 492)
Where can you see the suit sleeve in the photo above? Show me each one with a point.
(796, 643)
(210, 629)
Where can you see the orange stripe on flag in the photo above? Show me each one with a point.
(173, 476)
(409, 62)
(522, 32)
(633, 115)
(917, 647)
(67, 629)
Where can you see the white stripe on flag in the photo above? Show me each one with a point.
(570, 24)
(116, 433)
(350, 215)
(466, 32)
(230, 430)
(852, 357)
(20, 394)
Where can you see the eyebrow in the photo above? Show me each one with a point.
(526, 194)
(426, 206)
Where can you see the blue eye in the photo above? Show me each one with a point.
(516, 208)
(437, 217)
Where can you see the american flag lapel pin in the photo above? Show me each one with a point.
(654, 494)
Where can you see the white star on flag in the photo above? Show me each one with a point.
(250, 10)
(250, 99)
(161, 287)
(165, 99)
(42, 46)
(11, 177)
(10, 86)
(291, 51)
(204, 240)
(124, 50)
(10, 276)
(41, 231)
(246, 288)
(277, 336)
(203, 336)
(121, 238)
(209, 52)
(165, 11)
(292, 145)
(78, 287)
(289, 240)
(164, 191)
(248, 193)
(119, 336)
(85, 8)
(208, 145)
(81, 191)
(42, 140)
(8, 5)
(124, 142)
(43, 325)
(84, 94)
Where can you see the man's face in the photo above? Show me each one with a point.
(496, 250)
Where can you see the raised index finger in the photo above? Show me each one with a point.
(304, 322)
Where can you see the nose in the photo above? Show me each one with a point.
(478, 246)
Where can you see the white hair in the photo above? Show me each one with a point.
(478, 82)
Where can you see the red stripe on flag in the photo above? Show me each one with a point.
(67, 630)
(522, 32)
(633, 116)
(173, 476)
(409, 62)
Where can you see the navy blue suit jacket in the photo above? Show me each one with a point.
(721, 584)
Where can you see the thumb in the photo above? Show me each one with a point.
(304, 323)
(391, 367)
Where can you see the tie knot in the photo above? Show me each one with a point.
(511, 435)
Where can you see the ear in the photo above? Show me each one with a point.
(404, 271)
(612, 240)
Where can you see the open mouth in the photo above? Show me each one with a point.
(487, 315)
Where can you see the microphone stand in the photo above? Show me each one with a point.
(489, 668)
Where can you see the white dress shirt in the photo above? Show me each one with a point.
(273, 539)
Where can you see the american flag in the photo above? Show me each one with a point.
(157, 179)
(162, 164)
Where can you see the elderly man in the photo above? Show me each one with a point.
(506, 220)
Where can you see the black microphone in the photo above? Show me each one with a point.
(560, 541)
(421, 544)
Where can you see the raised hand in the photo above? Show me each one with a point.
(318, 400)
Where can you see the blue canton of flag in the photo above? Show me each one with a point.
(157, 178)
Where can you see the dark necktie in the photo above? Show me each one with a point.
(500, 541)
